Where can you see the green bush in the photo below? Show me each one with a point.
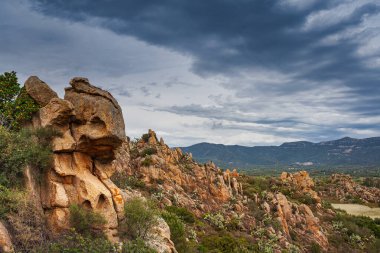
(16, 106)
(77, 243)
(124, 181)
(147, 161)
(225, 244)
(216, 220)
(182, 213)
(9, 200)
(177, 230)
(86, 222)
(140, 217)
(148, 151)
(315, 248)
(26, 147)
(145, 137)
(137, 246)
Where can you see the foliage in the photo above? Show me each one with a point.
(145, 137)
(326, 204)
(182, 213)
(137, 246)
(86, 222)
(372, 182)
(140, 217)
(177, 230)
(315, 248)
(148, 151)
(225, 244)
(9, 200)
(217, 220)
(16, 106)
(354, 232)
(78, 243)
(124, 181)
(147, 161)
(27, 225)
(19, 149)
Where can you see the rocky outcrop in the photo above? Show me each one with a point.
(300, 181)
(5, 240)
(39, 91)
(294, 217)
(158, 237)
(91, 128)
(199, 187)
(346, 190)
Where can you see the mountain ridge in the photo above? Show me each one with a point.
(343, 151)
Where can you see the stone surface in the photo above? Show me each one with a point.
(5, 240)
(92, 128)
(187, 183)
(39, 90)
(345, 189)
(99, 125)
(300, 181)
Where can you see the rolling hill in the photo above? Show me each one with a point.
(345, 151)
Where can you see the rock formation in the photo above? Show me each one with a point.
(300, 181)
(346, 190)
(5, 240)
(199, 187)
(91, 125)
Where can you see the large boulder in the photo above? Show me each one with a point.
(91, 127)
(99, 125)
(5, 240)
(39, 90)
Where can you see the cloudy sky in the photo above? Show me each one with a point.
(248, 72)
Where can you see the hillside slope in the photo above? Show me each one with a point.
(345, 151)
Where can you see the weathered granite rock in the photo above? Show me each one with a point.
(5, 240)
(92, 128)
(200, 187)
(301, 181)
(39, 90)
(345, 189)
(98, 128)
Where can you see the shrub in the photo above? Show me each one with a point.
(315, 248)
(149, 151)
(77, 243)
(145, 137)
(182, 213)
(26, 147)
(86, 222)
(147, 161)
(177, 230)
(124, 181)
(27, 225)
(217, 220)
(224, 244)
(10, 200)
(16, 106)
(137, 246)
(140, 217)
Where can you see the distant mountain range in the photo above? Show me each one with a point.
(345, 151)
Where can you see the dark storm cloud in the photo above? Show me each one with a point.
(228, 35)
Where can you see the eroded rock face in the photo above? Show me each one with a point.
(200, 187)
(5, 240)
(298, 218)
(92, 128)
(39, 90)
(345, 189)
(300, 181)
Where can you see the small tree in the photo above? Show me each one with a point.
(86, 222)
(140, 217)
(16, 105)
